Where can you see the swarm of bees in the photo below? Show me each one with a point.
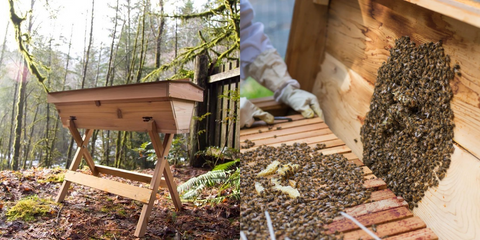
(407, 134)
(248, 144)
(272, 177)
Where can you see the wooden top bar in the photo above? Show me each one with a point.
(129, 107)
(179, 89)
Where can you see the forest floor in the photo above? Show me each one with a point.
(87, 213)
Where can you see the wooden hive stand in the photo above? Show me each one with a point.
(164, 106)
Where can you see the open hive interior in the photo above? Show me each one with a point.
(337, 58)
(375, 206)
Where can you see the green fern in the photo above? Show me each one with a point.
(208, 179)
(226, 166)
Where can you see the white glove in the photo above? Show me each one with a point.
(248, 111)
(301, 101)
(270, 70)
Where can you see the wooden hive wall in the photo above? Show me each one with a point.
(359, 34)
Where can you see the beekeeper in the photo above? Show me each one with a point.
(261, 61)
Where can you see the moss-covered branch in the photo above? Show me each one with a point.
(22, 39)
(225, 33)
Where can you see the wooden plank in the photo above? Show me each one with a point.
(297, 136)
(375, 183)
(452, 209)
(388, 229)
(283, 132)
(369, 176)
(269, 105)
(321, 2)
(311, 141)
(350, 156)
(184, 91)
(283, 125)
(373, 207)
(134, 176)
(421, 234)
(225, 75)
(306, 42)
(137, 125)
(183, 111)
(122, 189)
(161, 89)
(345, 225)
(113, 106)
(382, 194)
(356, 161)
(366, 170)
(465, 10)
(340, 149)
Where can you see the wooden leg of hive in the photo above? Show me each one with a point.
(83, 145)
(76, 160)
(172, 187)
(161, 149)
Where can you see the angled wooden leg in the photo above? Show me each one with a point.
(83, 146)
(172, 187)
(81, 142)
(167, 174)
(161, 152)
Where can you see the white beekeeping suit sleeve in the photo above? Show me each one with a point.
(260, 60)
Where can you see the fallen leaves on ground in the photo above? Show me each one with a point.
(92, 214)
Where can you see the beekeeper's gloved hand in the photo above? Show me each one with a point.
(248, 111)
(270, 70)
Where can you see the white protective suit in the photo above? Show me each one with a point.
(261, 61)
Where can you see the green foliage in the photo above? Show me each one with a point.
(191, 188)
(226, 166)
(223, 30)
(252, 89)
(178, 152)
(225, 177)
(53, 178)
(29, 208)
(215, 154)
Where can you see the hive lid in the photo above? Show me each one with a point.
(178, 89)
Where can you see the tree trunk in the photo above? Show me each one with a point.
(19, 118)
(21, 105)
(118, 149)
(87, 54)
(107, 150)
(52, 145)
(27, 149)
(143, 45)
(111, 58)
(10, 138)
(198, 141)
(4, 44)
(161, 27)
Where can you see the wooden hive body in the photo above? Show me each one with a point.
(129, 107)
(335, 50)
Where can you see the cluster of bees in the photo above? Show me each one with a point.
(248, 144)
(301, 189)
(408, 131)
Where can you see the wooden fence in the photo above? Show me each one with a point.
(221, 108)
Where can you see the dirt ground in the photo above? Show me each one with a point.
(91, 214)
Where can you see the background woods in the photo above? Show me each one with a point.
(102, 43)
